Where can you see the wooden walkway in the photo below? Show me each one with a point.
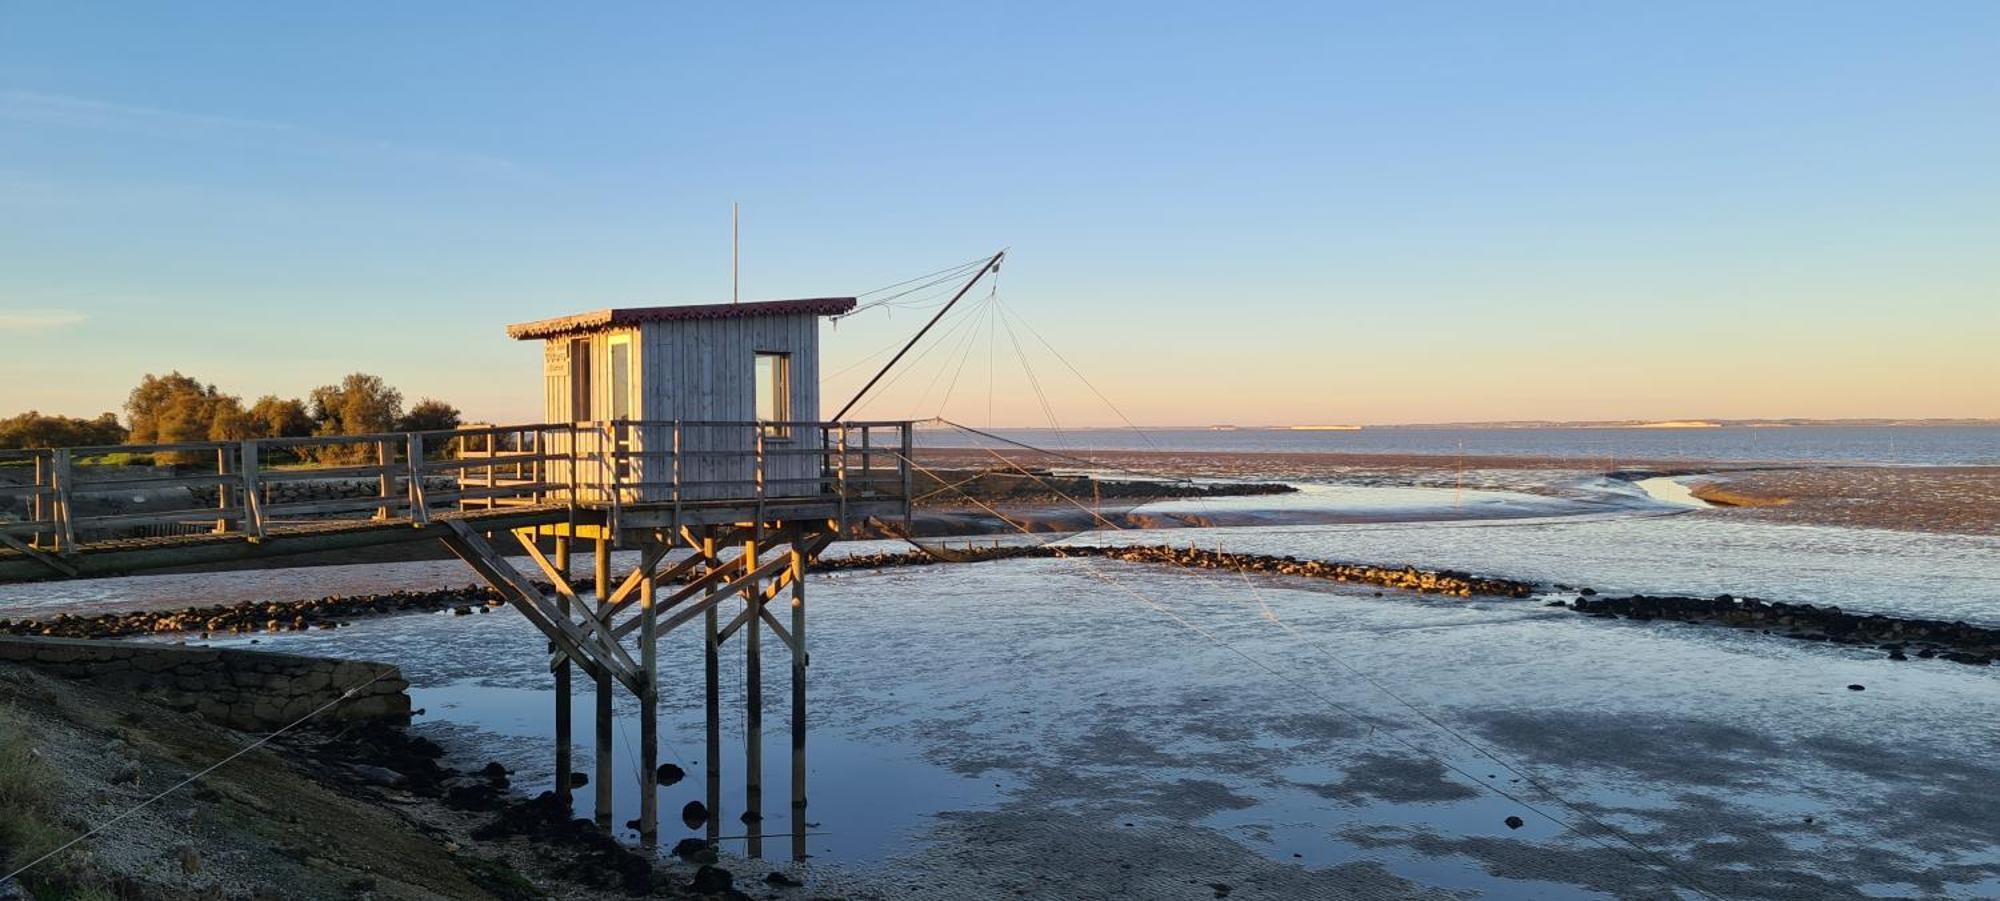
(220, 502)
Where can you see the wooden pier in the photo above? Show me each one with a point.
(682, 494)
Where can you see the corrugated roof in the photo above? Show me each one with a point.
(597, 319)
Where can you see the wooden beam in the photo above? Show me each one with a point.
(711, 664)
(606, 713)
(797, 641)
(753, 688)
(565, 728)
(649, 704)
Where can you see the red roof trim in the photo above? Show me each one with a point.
(599, 319)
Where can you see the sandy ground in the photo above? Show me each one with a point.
(258, 827)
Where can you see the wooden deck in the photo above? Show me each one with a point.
(218, 502)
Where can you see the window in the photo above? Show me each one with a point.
(621, 379)
(774, 393)
(579, 380)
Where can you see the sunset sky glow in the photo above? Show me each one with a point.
(1258, 214)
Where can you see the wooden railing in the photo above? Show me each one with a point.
(63, 497)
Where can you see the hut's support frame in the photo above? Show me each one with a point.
(587, 632)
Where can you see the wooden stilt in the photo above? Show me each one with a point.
(602, 776)
(712, 700)
(565, 740)
(649, 712)
(753, 707)
(798, 556)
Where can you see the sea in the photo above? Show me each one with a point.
(1900, 444)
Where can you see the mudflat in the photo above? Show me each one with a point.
(1944, 499)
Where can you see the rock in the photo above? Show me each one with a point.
(695, 814)
(782, 880)
(495, 773)
(377, 775)
(669, 774)
(190, 860)
(711, 879)
(1515, 822)
(579, 780)
(12, 891)
(1857, 687)
(693, 849)
(1221, 889)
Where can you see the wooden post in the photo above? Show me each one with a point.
(602, 776)
(909, 448)
(753, 703)
(420, 506)
(711, 662)
(385, 483)
(798, 575)
(221, 490)
(565, 739)
(649, 713)
(253, 494)
(43, 501)
(65, 514)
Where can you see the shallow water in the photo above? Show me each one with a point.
(1005, 724)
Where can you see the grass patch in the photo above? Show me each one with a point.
(117, 458)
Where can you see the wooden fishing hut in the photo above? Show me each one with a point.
(697, 428)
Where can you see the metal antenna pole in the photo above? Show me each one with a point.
(991, 265)
(735, 252)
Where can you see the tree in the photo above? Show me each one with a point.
(281, 418)
(32, 429)
(228, 421)
(359, 405)
(176, 409)
(429, 415)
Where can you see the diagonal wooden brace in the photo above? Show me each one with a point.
(49, 560)
(595, 646)
(716, 574)
(723, 593)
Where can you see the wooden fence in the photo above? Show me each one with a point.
(65, 499)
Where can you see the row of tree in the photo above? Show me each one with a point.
(33, 429)
(176, 408)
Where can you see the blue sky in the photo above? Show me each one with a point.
(1246, 213)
